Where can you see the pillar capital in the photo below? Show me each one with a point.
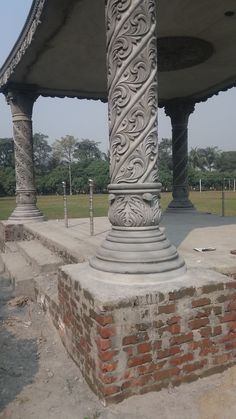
(179, 111)
(21, 103)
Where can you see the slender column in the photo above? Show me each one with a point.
(135, 244)
(179, 112)
(21, 104)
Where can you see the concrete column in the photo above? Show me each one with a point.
(179, 112)
(135, 245)
(21, 104)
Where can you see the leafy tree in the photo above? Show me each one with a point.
(87, 150)
(64, 152)
(42, 153)
(6, 152)
(226, 162)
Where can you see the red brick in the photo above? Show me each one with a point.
(108, 379)
(198, 323)
(139, 360)
(104, 344)
(156, 344)
(108, 367)
(232, 305)
(184, 292)
(231, 326)
(165, 353)
(107, 391)
(133, 339)
(231, 284)
(103, 320)
(149, 368)
(178, 340)
(129, 350)
(217, 331)
(165, 374)
(195, 366)
(174, 320)
(206, 331)
(206, 289)
(229, 337)
(182, 359)
(228, 317)
(106, 332)
(201, 302)
(107, 355)
(221, 359)
(230, 345)
(144, 347)
(167, 309)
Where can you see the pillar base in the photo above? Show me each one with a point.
(143, 250)
(26, 213)
(182, 204)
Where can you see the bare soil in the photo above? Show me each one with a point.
(38, 380)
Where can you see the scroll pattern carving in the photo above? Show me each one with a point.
(132, 83)
(23, 155)
(134, 210)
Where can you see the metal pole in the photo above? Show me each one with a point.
(200, 185)
(65, 204)
(91, 184)
(234, 185)
(223, 199)
(229, 185)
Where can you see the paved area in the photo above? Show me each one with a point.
(186, 231)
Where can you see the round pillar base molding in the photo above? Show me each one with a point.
(138, 251)
(27, 213)
(179, 203)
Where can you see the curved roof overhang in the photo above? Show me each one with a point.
(61, 50)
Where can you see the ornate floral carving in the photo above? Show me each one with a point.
(130, 210)
(132, 83)
(23, 155)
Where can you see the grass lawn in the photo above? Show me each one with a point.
(78, 205)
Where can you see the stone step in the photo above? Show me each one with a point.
(40, 258)
(20, 274)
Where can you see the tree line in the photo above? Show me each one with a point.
(77, 160)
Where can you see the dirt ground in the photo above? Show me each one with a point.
(38, 380)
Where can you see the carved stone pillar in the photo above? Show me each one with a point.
(135, 244)
(21, 104)
(179, 112)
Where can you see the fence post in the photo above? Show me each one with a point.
(65, 204)
(91, 207)
(200, 185)
(223, 199)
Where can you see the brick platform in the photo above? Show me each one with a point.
(10, 232)
(132, 339)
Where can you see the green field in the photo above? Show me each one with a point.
(78, 205)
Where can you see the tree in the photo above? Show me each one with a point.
(64, 152)
(42, 153)
(86, 149)
(226, 162)
(6, 152)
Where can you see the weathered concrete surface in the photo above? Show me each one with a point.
(185, 231)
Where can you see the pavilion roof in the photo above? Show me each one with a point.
(61, 50)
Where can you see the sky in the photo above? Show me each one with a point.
(213, 123)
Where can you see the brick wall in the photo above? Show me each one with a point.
(143, 344)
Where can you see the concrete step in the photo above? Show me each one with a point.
(47, 287)
(20, 274)
(40, 258)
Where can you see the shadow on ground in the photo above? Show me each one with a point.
(178, 225)
(18, 357)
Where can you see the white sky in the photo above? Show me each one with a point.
(212, 124)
